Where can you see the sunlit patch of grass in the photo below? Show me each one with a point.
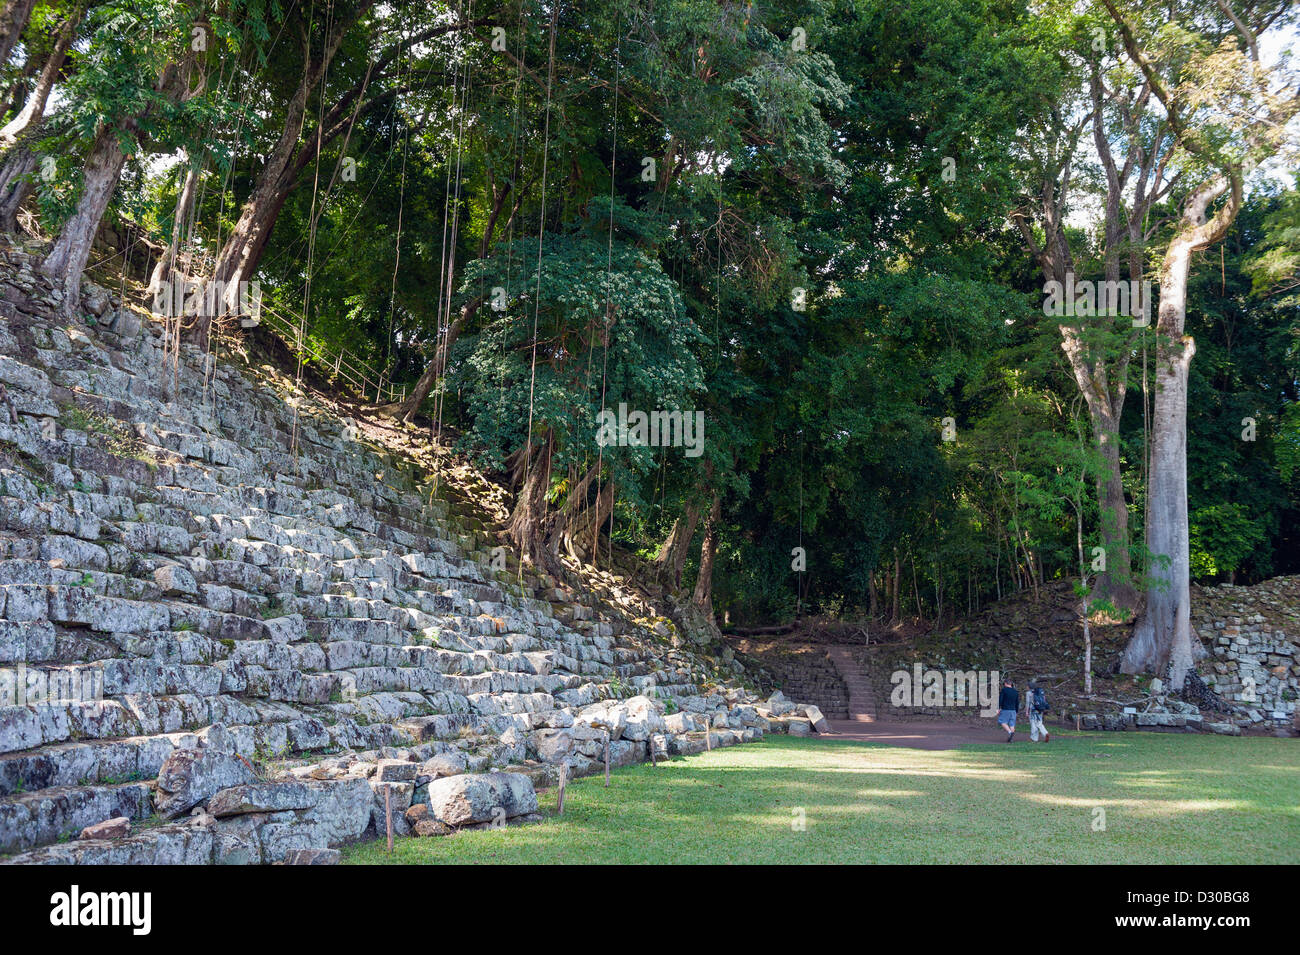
(1167, 798)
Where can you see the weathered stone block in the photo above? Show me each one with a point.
(474, 798)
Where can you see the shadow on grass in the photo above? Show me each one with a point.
(793, 801)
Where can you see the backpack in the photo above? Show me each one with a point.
(1040, 700)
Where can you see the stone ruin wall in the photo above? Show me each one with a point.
(235, 629)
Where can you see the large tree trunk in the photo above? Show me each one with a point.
(68, 256)
(1105, 402)
(34, 108)
(1162, 637)
(576, 526)
(238, 258)
(15, 187)
(703, 596)
(671, 559)
(13, 20)
(528, 522)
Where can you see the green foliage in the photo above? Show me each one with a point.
(1222, 536)
(789, 216)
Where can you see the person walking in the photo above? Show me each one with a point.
(1008, 706)
(1036, 707)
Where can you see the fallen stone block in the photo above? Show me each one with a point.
(816, 718)
(1224, 729)
(475, 798)
(342, 811)
(798, 726)
(313, 857)
(261, 797)
(191, 776)
(117, 828)
(395, 771)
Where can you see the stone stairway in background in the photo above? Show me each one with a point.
(802, 670)
(198, 559)
(862, 700)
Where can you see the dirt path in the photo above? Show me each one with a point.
(923, 735)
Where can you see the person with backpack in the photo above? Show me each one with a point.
(1036, 706)
(1008, 705)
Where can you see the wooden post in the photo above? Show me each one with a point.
(708, 738)
(564, 773)
(607, 759)
(388, 814)
(1077, 724)
(652, 751)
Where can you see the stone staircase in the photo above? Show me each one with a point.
(803, 671)
(862, 699)
(196, 556)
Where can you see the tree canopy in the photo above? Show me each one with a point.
(824, 226)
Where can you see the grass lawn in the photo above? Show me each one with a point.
(1167, 799)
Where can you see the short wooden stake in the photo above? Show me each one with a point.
(708, 738)
(564, 774)
(652, 752)
(388, 814)
(607, 760)
(1077, 725)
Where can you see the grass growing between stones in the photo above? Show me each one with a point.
(1168, 799)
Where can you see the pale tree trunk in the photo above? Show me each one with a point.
(162, 272)
(1133, 184)
(67, 258)
(34, 108)
(13, 20)
(703, 596)
(71, 250)
(1162, 638)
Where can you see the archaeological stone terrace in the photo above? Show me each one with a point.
(236, 627)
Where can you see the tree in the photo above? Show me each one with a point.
(13, 21)
(1227, 112)
(299, 145)
(127, 94)
(1133, 147)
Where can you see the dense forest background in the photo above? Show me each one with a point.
(824, 224)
